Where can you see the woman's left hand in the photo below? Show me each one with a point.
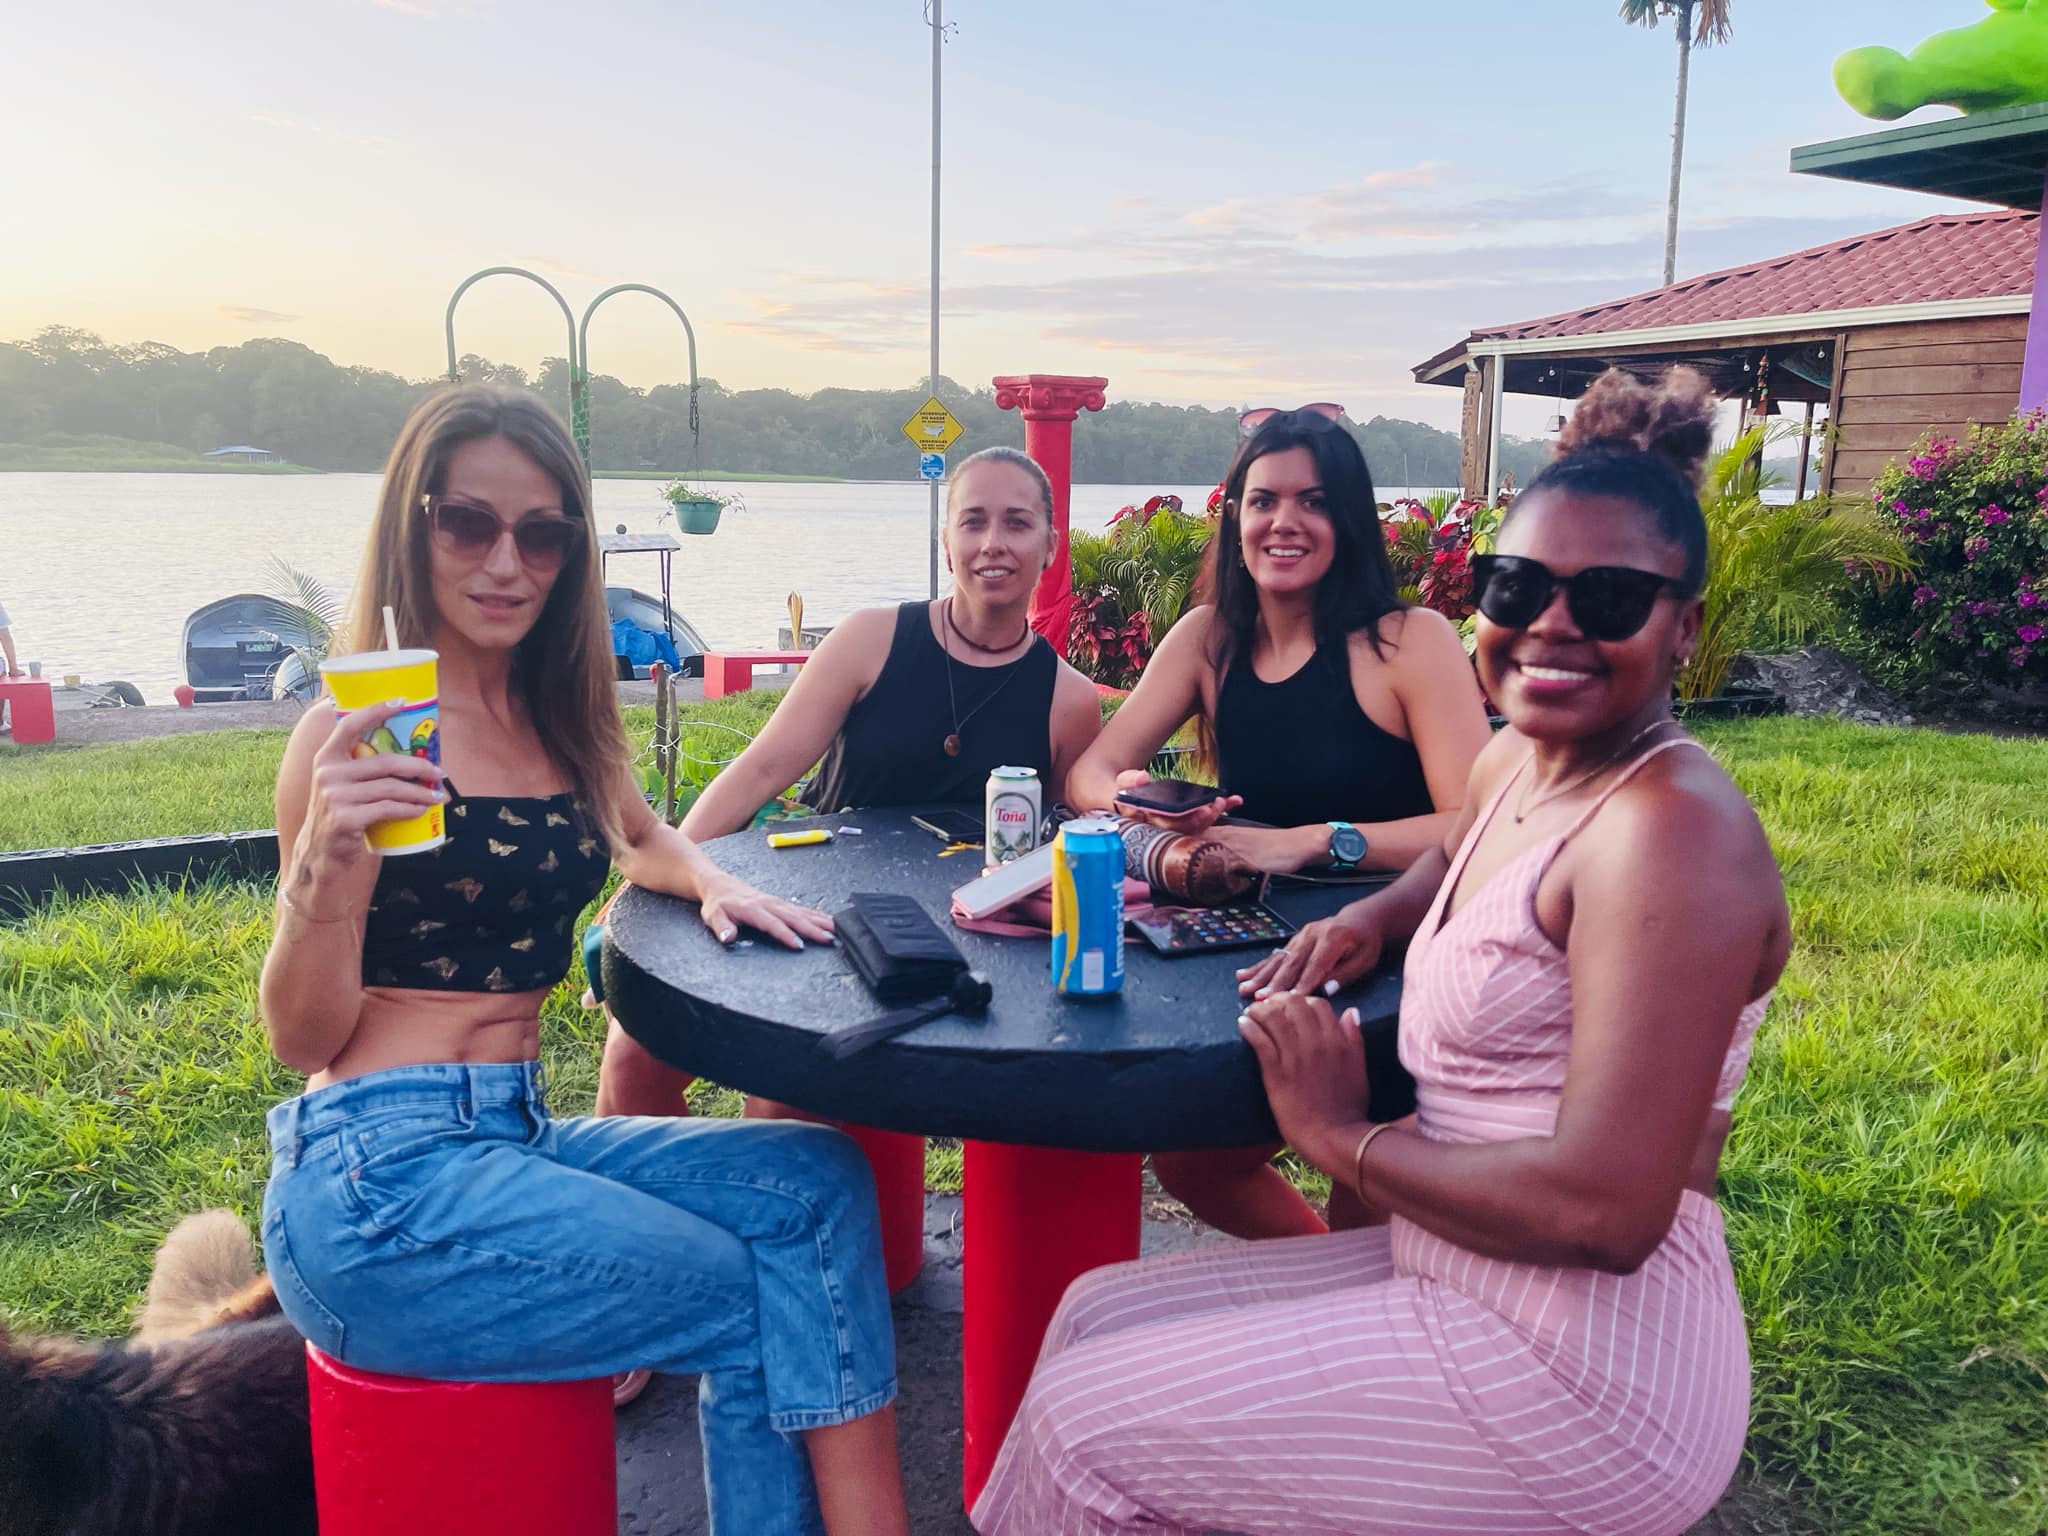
(728, 904)
(1313, 1063)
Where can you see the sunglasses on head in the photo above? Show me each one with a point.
(471, 532)
(1607, 602)
(1320, 414)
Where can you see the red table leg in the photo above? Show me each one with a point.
(898, 1161)
(1035, 1219)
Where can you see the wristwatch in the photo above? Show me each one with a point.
(1347, 845)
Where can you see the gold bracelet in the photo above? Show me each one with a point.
(284, 895)
(1358, 1159)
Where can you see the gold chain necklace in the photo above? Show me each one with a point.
(1590, 775)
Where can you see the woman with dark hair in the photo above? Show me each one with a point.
(1340, 719)
(1547, 1336)
(426, 1216)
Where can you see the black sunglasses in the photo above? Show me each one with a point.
(1607, 602)
(471, 532)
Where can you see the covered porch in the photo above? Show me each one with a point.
(1872, 341)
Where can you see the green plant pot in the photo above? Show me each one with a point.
(697, 516)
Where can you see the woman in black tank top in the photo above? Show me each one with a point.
(911, 705)
(1342, 720)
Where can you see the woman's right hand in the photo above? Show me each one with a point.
(354, 788)
(1326, 956)
(1198, 820)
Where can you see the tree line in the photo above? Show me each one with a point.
(287, 398)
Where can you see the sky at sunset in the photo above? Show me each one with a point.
(1211, 203)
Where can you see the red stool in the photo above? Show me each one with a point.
(898, 1161)
(31, 713)
(392, 1454)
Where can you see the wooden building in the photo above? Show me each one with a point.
(1886, 336)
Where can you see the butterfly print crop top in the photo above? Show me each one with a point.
(492, 909)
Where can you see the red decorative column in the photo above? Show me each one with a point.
(1050, 402)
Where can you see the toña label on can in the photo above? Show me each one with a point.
(1088, 908)
(1012, 812)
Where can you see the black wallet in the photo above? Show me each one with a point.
(896, 947)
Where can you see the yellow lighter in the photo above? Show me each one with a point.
(798, 839)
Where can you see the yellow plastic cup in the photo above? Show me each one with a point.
(377, 677)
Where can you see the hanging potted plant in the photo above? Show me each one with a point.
(697, 510)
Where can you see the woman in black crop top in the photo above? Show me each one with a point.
(426, 1216)
(1343, 720)
(890, 690)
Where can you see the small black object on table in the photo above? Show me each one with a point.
(1037, 1086)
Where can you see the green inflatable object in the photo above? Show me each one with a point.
(2002, 61)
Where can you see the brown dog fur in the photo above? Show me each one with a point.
(195, 1427)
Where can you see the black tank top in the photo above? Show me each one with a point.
(892, 749)
(1302, 751)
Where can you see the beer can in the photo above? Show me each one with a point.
(1088, 909)
(1012, 812)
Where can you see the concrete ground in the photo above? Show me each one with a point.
(661, 1472)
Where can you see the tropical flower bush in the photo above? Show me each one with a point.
(1974, 513)
(1431, 545)
(1131, 585)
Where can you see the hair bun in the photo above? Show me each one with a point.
(1671, 419)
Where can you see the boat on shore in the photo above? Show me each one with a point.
(233, 647)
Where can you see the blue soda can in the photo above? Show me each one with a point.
(1088, 909)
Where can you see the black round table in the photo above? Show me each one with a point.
(1159, 1067)
(1052, 1095)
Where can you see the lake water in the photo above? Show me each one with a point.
(99, 571)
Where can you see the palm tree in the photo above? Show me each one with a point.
(1715, 25)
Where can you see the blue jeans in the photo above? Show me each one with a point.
(436, 1222)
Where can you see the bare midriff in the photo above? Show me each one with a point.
(400, 1028)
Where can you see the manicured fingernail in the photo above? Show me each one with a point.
(1330, 987)
(726, 935)
(1262, 992)
(1351, 1017)
(1244, 1021)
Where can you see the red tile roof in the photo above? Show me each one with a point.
(1948, 257)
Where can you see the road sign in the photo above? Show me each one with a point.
(932, 466)
(934, 428)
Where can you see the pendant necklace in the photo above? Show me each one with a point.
(1591, 774)
(952, 742)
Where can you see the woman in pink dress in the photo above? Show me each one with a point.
(1547, 1336)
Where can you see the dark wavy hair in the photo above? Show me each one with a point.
(1645, 444)
(1359, 588)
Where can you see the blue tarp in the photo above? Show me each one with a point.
(644, 647)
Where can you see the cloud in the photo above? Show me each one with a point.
(1335, 291)
(424, 9)
(1423, 175)
(299, 125)
(249, 314)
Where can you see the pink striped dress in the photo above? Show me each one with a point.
(1386, 1380)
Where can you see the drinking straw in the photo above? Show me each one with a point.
(390, 629)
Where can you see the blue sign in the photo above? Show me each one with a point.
(932, 466)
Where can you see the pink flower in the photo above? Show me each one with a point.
(1922, 596)
(1993, 516)
(2030, 599)
(2032, 633)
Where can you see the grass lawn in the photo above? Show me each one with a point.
(1886, 1186)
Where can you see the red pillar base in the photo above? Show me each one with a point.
(898, 1161)
(1034, 1220)
(31, 713)
(460, 1459)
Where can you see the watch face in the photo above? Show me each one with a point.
(1347, 845)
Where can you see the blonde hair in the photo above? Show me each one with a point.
(563, 669)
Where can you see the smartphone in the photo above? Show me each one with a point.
(951, 827)
(1170, 797)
